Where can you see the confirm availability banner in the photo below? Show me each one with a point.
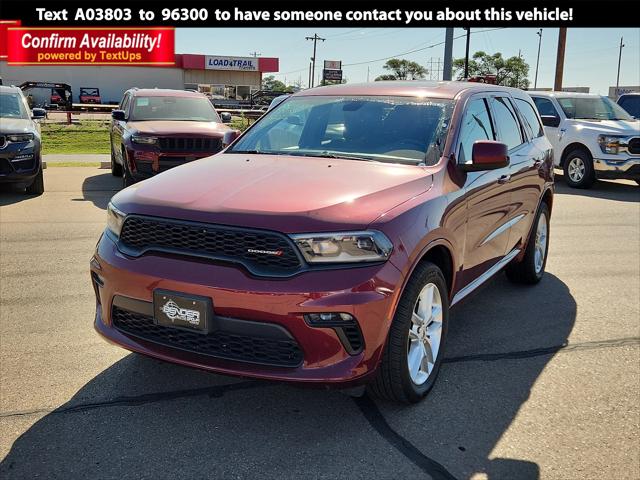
(90, 46)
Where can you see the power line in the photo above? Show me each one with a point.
(417, 49)
(399, 54)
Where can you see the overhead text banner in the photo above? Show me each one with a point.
(328, 13)
(90, 46)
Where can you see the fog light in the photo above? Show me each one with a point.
(329, 319)
(345, 326)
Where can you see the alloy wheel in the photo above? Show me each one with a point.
(541, 243)
(425, 334)
(576, 169)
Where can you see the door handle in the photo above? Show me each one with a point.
(504, 179)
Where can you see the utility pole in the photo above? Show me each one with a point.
(466, 55)
(367, 74)
(309, 83)
(315, 39)
(447, 73)
(619, 61)
(562, 41)
(255, 54)
(518, 75)
(535, 81)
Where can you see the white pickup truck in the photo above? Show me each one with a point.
(592, 137)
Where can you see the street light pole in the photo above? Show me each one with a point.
(315, 39)
(466, 55)
(619, 61)
(535, 81)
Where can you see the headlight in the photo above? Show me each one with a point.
(344, 247)
(144, 140)
(609, 143)
(115, 219)
(20, 137)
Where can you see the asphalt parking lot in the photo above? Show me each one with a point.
(540, 382)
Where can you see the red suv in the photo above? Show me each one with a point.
(154, 130)
(327, 244)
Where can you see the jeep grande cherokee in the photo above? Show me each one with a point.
(154, 130)
(328, 242)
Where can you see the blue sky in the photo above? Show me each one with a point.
(591, 57)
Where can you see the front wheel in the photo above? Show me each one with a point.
(531, 268)
(127, 178)
(116, 168)
(37, 186)
(578, 169)
(415, 343)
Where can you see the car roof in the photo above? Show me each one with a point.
(165, 92)
(9, 89)
(401, 88)
(563, 94)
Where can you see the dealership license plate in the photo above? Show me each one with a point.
(179, 310)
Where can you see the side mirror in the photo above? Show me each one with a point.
(229, 137)
(487, 155)
(550, 120)
(226, 117)
(118, 115)
(38, 113)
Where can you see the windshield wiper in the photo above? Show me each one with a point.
(328, 154)
(253, 152)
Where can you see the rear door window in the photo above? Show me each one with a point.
(507, 123)
(532, 123)
(476, 125)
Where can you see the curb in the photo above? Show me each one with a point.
(103, 165)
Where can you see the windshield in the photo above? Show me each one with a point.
(388, 129)
(90, 91)
(197, 109)
(592, 108)
(12, 106)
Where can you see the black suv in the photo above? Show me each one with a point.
(20, 159)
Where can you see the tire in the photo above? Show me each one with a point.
(578, 169)
(37, 186)
(127, 179)
(394, 379)
(116, 168)
(530, 269)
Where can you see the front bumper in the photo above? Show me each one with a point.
(628, 168)
(368, 293)
(19, 163)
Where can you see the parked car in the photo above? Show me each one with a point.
(631, 103)
(20, 142)
(90, 95)
(331, 254)
(592, 137)
(154, 130)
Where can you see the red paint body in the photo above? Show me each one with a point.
(418, 208)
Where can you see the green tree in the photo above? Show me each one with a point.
(510, 72)
(402, 70)
(270, 83)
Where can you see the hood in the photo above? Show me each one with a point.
(16, 125)
(611, 127)
(284, 193)
(174, 127)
